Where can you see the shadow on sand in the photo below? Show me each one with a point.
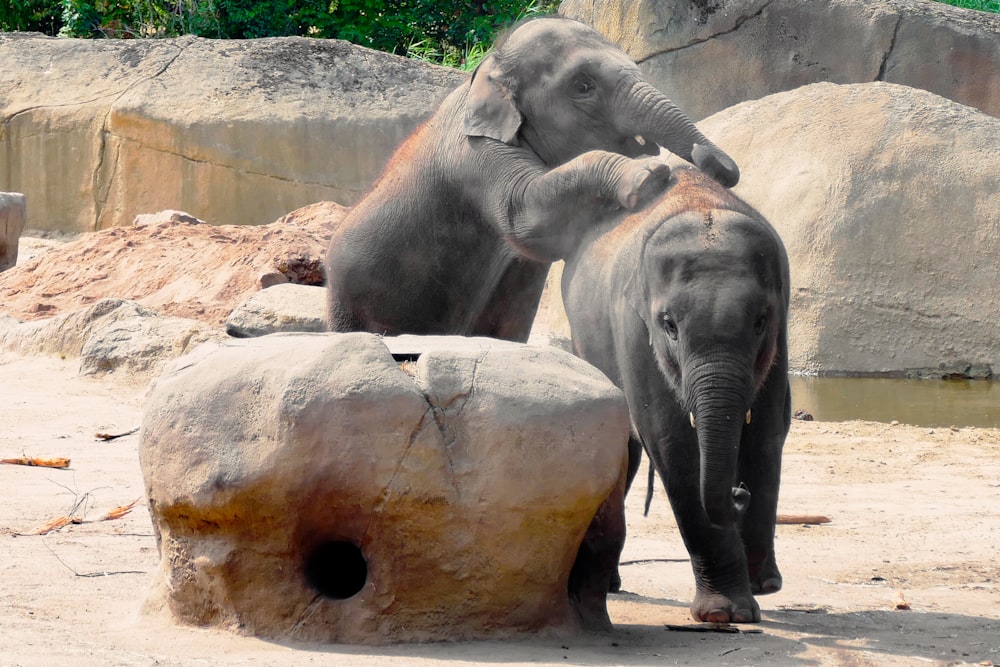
(784, 637)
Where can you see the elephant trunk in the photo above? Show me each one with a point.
(720, 399)
(647, 113)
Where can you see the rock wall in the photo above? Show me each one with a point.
(95, 132)
(888, 201)
(708, 55)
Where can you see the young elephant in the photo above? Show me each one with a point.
(552, 134)
(685, 307)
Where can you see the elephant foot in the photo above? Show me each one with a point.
(765, 578)
(766, 585)
(717, 608)
(616, 583)
(644, 179)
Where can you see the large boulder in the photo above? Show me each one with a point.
(96, 132)
(12, 214)
(175, 267)
(350, 488)
(888, 201)
(711, 54)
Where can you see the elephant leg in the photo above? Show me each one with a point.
(339, 317)
(635, 450)
(596, 566)
(758, 523)
(634, 460)
(722, 588)
(760, 470)
(510, 307)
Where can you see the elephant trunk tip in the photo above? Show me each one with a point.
(716, 164)
(727, 510)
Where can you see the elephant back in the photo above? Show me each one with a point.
(689, 190)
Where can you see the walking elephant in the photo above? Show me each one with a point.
(684, 306)
(554, 133)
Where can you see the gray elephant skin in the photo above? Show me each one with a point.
(555, 132)
(684, 306)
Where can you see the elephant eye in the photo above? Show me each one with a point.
(583, 86)
(668, 324)
(760, 324)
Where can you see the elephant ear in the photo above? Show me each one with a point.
(636, 296)
(490, 111)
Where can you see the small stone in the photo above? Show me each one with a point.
(271, 279)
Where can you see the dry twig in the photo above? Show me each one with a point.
(112, 436)
(37, 461)
(806, 519)
(714, 627)
(118, 512)
(72, 517)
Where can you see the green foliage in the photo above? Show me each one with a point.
(30, 16)
(237, 19)
(981, 5)
(455, 34)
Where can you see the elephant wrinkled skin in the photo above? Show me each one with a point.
(555, 132)
(684, 306)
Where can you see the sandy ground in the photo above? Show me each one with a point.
(914, 524)
(914, 518)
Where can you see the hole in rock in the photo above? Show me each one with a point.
(405, 356)
(337, 570)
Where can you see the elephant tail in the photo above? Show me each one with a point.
(651, 479)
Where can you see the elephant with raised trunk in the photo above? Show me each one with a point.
(554, 133)
(684, 306)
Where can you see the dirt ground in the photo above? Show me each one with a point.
(914, 523)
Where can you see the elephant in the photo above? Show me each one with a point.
(555, 131)
(684, 306)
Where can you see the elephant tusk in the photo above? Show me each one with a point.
(748, 416)
(640, 140)
(691, 415)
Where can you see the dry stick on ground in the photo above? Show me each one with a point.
(70, 517)
(807, 519)
(110, 515)
(713, 627)
(37, 461)
(112, 436)
(78, 511)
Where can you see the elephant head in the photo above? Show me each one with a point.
(559, 88)
(712, 290)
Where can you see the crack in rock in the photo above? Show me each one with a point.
(238, 170)
(441, 415)
(100, 191)
(892, 45)
(695, 42)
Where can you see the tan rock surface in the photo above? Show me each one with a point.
(709, 55)
(888, 201)
(96, 132)
(312, 487)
